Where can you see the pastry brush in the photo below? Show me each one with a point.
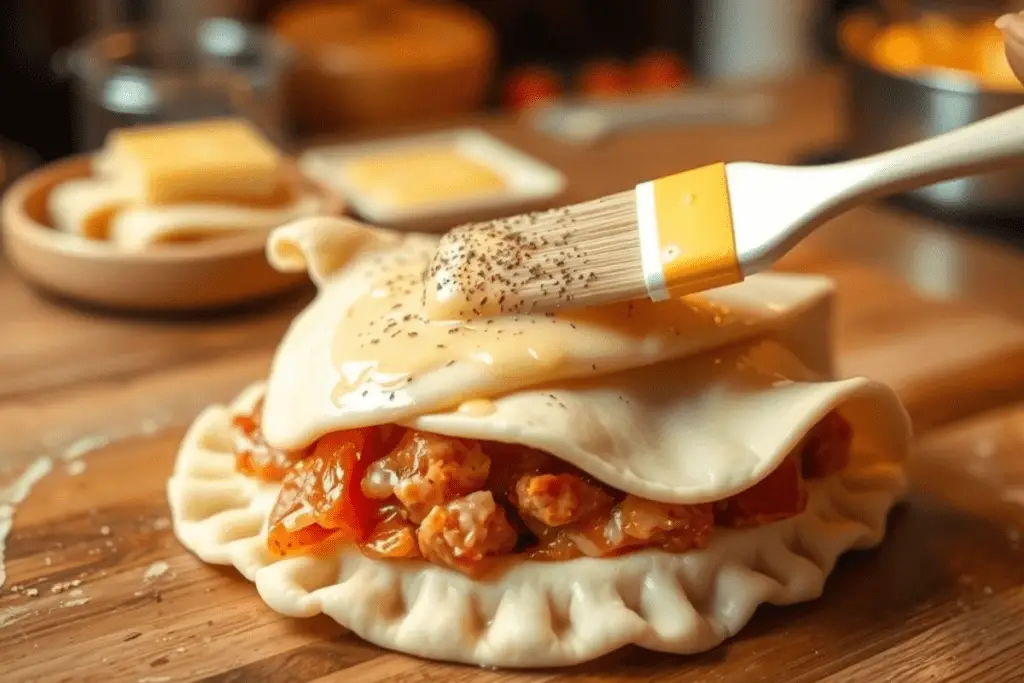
(684, 233)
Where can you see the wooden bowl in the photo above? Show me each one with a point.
(384, 62)
(190, 276)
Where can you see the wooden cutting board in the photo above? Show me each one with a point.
(98, 589)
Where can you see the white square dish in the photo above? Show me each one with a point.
(527, 180)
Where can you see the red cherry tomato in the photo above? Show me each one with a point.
(529, 86)
(604, 78)
(659, 71)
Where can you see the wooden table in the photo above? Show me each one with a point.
(102, 402)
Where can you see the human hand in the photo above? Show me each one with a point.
(1012, 26)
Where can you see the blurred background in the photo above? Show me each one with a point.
(541, 49)
(302, 68)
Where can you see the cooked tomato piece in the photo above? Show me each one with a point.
(393, 537)
(304, 541)
(554, 545)
(779, 495)
(340, 460)
(826, 450)
(253, 456)
(323, 490)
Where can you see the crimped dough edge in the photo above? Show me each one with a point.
(533, 614)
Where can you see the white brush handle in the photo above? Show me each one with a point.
(774, 207)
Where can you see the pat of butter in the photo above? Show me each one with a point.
(223, 159)
(422, 176)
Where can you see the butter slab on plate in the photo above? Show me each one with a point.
(433, 178)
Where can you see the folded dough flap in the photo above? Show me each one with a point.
(691, 430)
(324, 246)
(304, 399)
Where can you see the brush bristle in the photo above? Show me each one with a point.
(578, 256)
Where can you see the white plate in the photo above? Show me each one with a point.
(528, 180)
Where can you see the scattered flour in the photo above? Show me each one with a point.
(150, 426)
(155, 571)
(65, 585)
(14, 495)
(75, 467)
(78, 598)
(15, 614)
(26, 592)
(105, 530)
(76, 602)
(84, 445)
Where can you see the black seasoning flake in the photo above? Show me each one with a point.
(391, 396)
(441, 346)
(593, 367)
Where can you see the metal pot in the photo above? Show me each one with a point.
(887, 110)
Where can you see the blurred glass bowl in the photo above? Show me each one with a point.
(145, 74)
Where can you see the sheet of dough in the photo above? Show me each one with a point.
(301, 400)
(695, 422)
(534, 614)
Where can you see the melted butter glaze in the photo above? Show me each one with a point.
(386, 338)
(329, 373)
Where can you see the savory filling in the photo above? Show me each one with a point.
(401, 493)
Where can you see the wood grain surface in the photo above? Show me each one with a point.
(103, 401)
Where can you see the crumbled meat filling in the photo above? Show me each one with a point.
(426, 470)
(402, 494)
(464, 533)
(558, 499)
